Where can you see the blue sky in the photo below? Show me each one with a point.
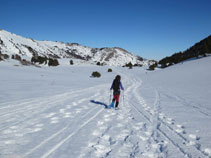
(152, 29)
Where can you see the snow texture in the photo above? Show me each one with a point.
(61, 112)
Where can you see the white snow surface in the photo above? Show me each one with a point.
(60, 112)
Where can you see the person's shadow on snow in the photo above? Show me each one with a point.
(100, 103)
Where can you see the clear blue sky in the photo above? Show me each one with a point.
(152, 29)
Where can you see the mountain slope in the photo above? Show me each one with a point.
(12, 44)
(202, 48)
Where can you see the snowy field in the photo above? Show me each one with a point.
(60, 112)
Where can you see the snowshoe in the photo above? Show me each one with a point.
(111, 105)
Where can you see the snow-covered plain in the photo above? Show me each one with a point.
(60, 112)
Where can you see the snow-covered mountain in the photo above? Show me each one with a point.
(12, 44)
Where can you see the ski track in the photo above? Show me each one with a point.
(69, 136)
(184, 102)
(38, 106)
(135, 139)
(189, 148)
(135, 130)
(56, 134)
(13, 130)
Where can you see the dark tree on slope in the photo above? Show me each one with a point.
(71, 62)
(39, 59)
(16, 57)
(109, 70)
(153, 66)
(130, 65)
(53, 62)
(98, 63)
(96, 74)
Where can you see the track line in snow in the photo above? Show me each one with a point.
(69, 136)
(43, 100)
(38, 108)
(194, 147)
(149, 115)
(55, 135)
(60, 111)
(193, 105)
(178, 138)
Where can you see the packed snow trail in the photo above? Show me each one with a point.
(78, 124)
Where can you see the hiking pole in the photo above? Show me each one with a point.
(109, 98)
(123, 98)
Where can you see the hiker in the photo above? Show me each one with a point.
(116, 85)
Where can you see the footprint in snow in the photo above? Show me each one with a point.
(125, 150)
(36, 130)
(138, 126)
(32, 130)
(54, 120)
(107, 119)
(207, 151)
(8, 131)
(81, 101)
(102, 128)
(143, 138)
(19, 134)
(113, 113)
(193, 141)
(78, 111)
(68, 106)
(180, 129)
(148, 133)
(147, 108)
(123, 134)
(180, 126)
(194, 137)
(67, 115)
(50, 115)
(96, 133)
(100, 123)
(39, 125)
(14, 127)
(144, 105)
(106, 116)
(61, 110)
(105, 138)
(152, 112)
(101, 150)
(75, 104)
(85, 107)
(120, 125)
(162, 116)
(91, 144)
(9, 142)
(170, 121)
(120, 117)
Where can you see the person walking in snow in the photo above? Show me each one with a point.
(116, 86)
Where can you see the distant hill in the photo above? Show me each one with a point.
(200, 49)
(29, 51)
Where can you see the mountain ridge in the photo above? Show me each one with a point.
(12, 44)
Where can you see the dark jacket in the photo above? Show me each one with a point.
(116, 85)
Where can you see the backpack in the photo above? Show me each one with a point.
(116, 85)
